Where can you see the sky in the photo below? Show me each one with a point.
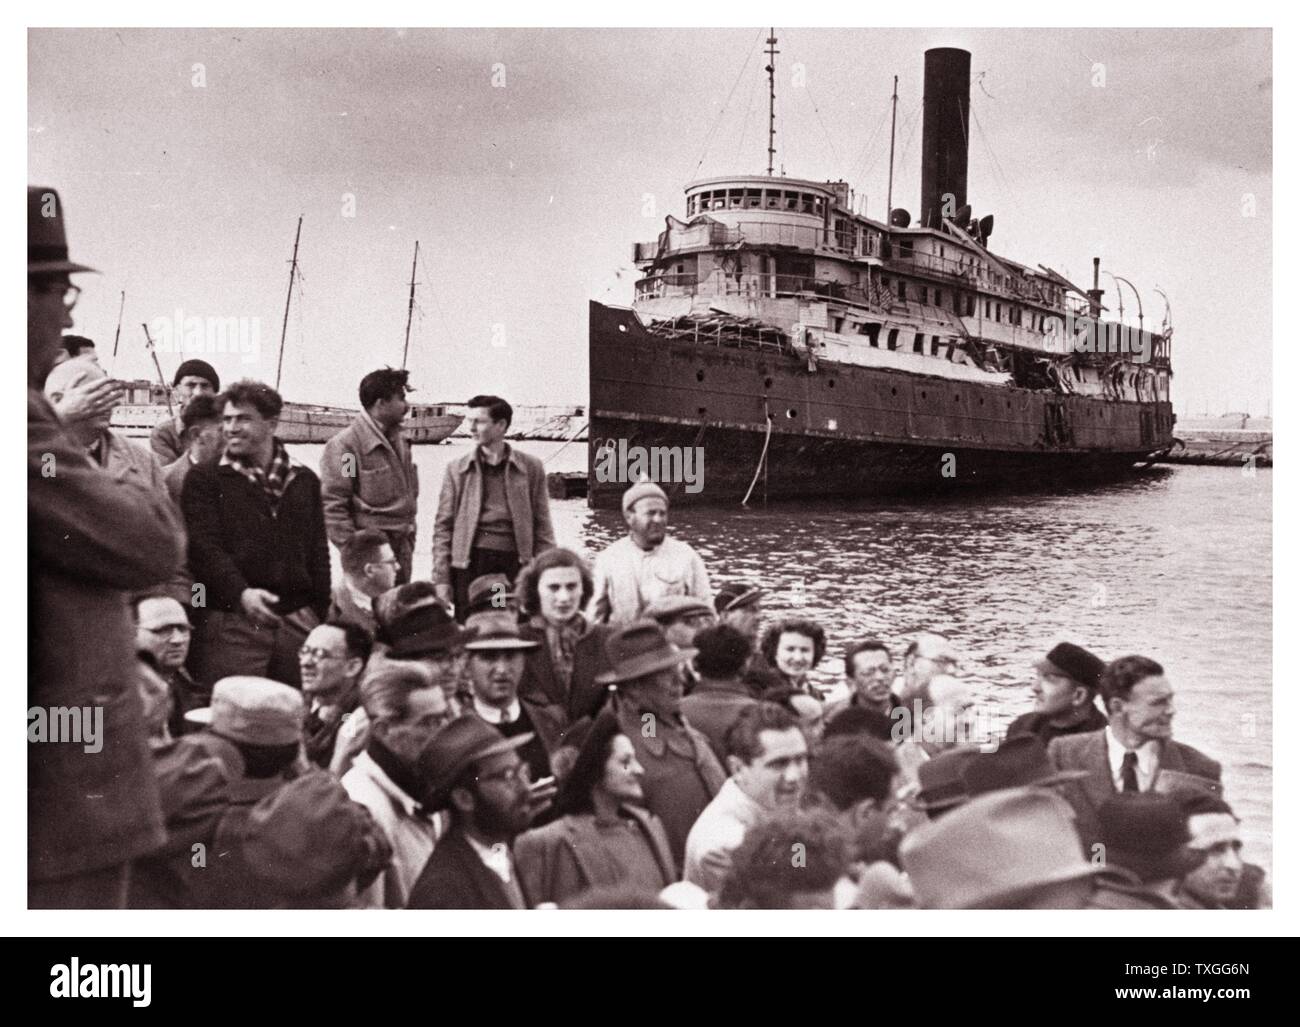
(527, 162)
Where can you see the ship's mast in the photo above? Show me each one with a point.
(117, 334)
(893, 121)
(772, 51)
(410, 305)
(162, 379)
(284, 328)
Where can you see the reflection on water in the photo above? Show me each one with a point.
(1176, 565)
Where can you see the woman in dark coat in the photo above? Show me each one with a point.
(603, 836)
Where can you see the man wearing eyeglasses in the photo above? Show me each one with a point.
(90, 539)
(330, 661)
(163, 630)
(476, 774)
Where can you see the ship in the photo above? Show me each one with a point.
(804, 349)
(145, 404)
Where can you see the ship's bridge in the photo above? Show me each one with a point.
(793, 201)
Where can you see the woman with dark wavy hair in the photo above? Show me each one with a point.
(604, 836)
(559, 674)
(793, 647)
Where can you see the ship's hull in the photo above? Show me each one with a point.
(838, 430)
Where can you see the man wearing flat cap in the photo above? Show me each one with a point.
(291, 838)
(90, 540)
(740, 605)
(682, 774)
(471, 770)
(646, 564)
(1064, 695)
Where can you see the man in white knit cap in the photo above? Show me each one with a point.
(646, 564)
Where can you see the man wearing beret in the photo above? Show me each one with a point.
(192, 378)
(646, 564)
(1064, 695)
(90, 539)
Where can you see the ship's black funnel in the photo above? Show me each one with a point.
(945, 132)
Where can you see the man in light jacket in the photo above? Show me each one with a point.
(494, 514)
(368, 478)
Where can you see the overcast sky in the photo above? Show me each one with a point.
(183, 185)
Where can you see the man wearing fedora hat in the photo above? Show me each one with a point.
(495, 664)
(90, 539)
(646, 564)
(1143, 840)
(1011, 849)
(682, 775)
(1064, 695)
(473, 771)
(413, 625)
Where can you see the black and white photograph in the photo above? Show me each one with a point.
(738, 468)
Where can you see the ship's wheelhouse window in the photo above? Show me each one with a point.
(772, 198)
(970, 306)
(923, 293)
(791, 201)
(819, 205)
(905, 247)
(988, 309)
(938, 297)
(873, 333)
(806, 202)
(735, 197)
(918, 344)
(753, 198)
(999, 310)
(902, 289)
(934, 345)
(892, 342)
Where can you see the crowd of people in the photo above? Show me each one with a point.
(525, 729)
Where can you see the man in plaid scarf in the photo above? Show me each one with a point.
(257, 545)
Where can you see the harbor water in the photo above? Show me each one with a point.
(1175, 564)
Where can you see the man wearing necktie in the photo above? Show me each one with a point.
(1135, 752)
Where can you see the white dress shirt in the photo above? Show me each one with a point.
(1148, 761)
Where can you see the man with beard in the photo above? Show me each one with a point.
(405, 709)
(646, 564)
(768, 759)
(476, 774)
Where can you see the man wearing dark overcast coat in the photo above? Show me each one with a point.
(90, 540)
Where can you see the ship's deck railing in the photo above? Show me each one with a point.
(758, 286)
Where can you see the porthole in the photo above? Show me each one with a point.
(792, 413)
(923, 394)
(767, 383)
(699, 376)
(831, 383)
(893, 392)
(622, 328)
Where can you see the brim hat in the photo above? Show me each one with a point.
(735, 596)
(494, 631)
(638, 649)
(254, 711)
(669, 608)
(418, 624)
(47, 241)
(992, 851)
(456, 746)
(1145, 833)
(942, 784)
(1018, 762)
(490, 592)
